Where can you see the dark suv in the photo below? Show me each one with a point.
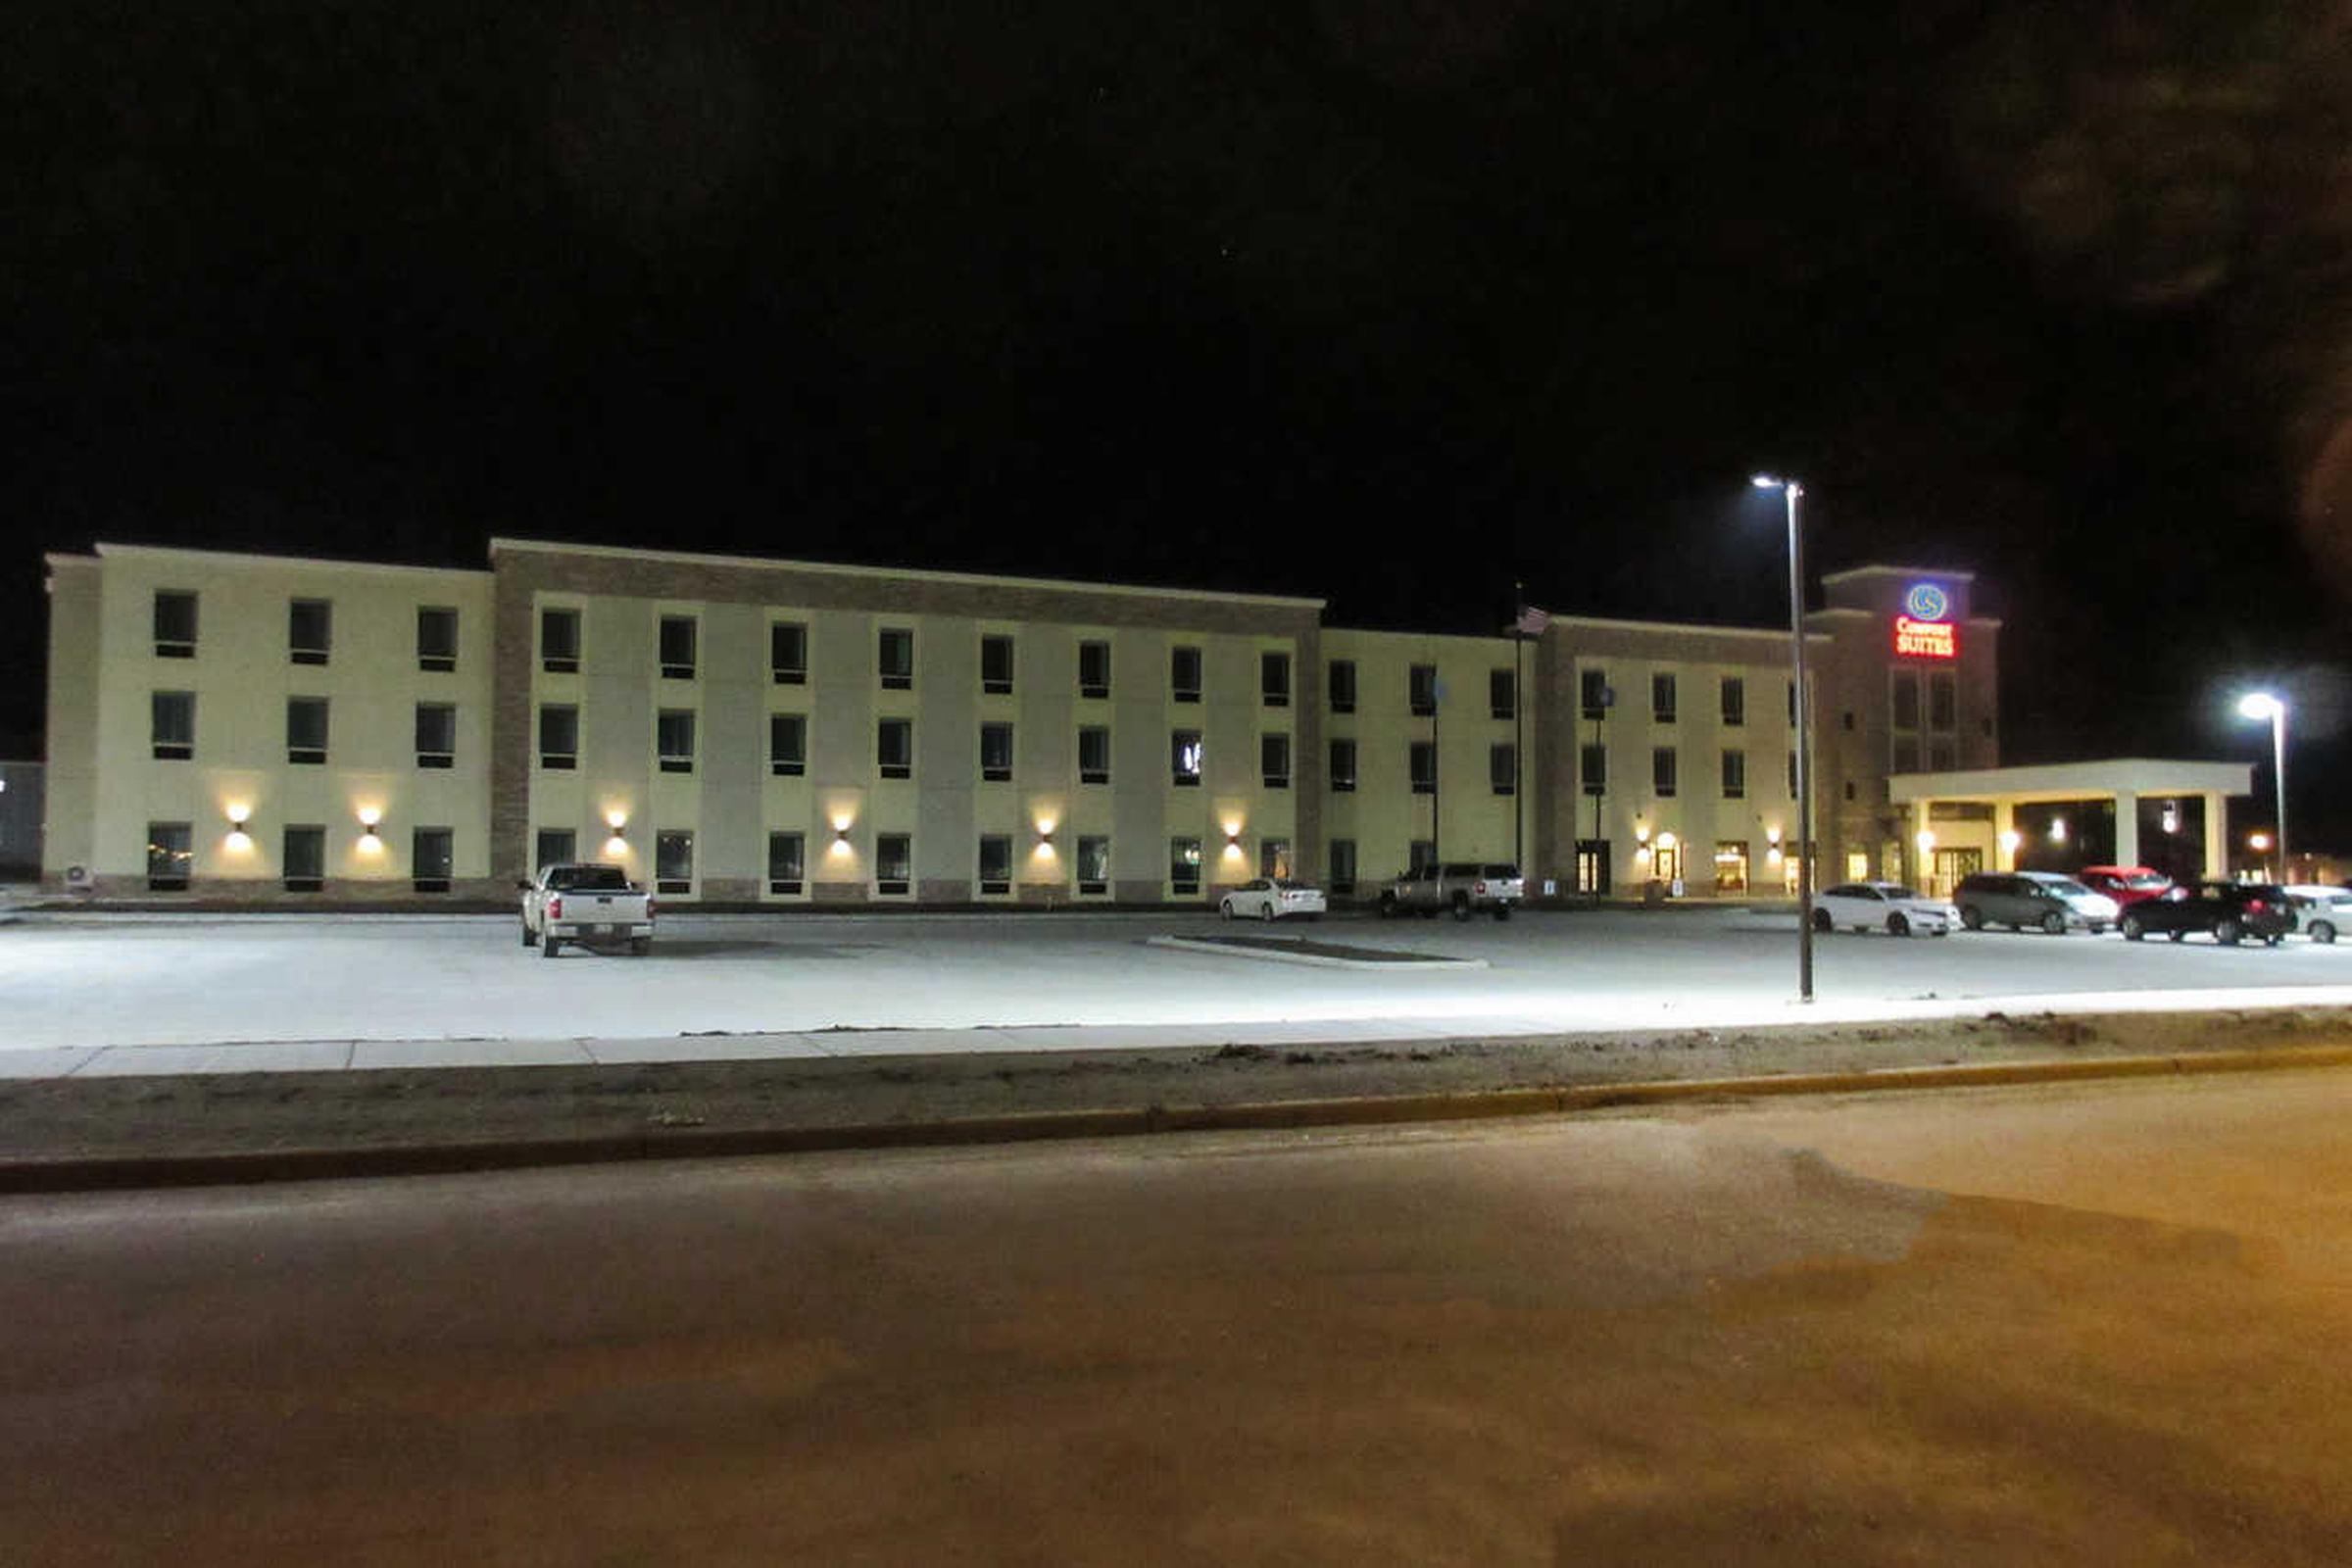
(2232, 910)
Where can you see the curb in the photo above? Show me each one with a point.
(1272, 952)
(120, 1173)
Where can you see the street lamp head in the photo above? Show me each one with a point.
(1770, 481)
(2260, 705)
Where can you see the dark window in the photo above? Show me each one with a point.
(996, 663)
(673, 860)
(559, 641)
(1735, 775)
(679, 639)
(1503, 768)
(1342, 767)
(1274, 679)
(310, 628)
(437, 735)
(1343, 685)
(1183, 866)
(437, 638)
(174, 625)
(995, 753)
(303, 862)
(430, 859)
(558, 736)
(1592, 767)
(170, 855)
(305, 729)
(996, 862)
(1094, 754)
(1662, 699)
(1274, 760)
(895, 658)
(1502, 693)
(1735, 700)
(1593, 687)
(1662, 770)
(1422, 765)
(893, 748)
(1906, 700)
(1421, 690)
(894, 863)
(1943, 702)
(673, 740)
(787, 745)
(787, 863)
(1274, 859)
(1093, 864)
(1094, 670)
(1184, 757)
(1905, 757)
(1184, 675)
(171, 725)
(554, 846)
(788, 653)
(1343, 865)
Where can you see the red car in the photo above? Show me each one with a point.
(2125, 884)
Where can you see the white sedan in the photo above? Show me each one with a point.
(1267, 898)
(1887, 907)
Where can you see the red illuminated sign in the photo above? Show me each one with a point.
(1926, 639)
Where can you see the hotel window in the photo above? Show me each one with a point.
(787, 745)
(1731, 866)
(1905, 758)
(996, 862)
(310, 630)
(1592, 767)
(1593, 688)
(894, 659)
(1274, 760)
(303, 858)
(1094, 670)
(437, 735)
(996, 754)
(1342, 767)
(1662, 699)
(171, 725)
(1943, 755)
(1735, 775)
(788, 653)
(678, 647)
(1503, 768)
(894, 863)
(1184, 757)
(1274, 857)
(1420, 854)
(1094, 754)
(560, 642)
(1093, 864)
(1343, 685)
(1421, 690)
(558, 736)
(787, 863)
(1343, 865)
(893, 748)
(1422, 767)
(1905, 702)
(1661, 771)
(430, 859)
(1502, 694)
(996, 663)
(554, 846)
(1274, 679)
(305, 729)
(1183, 866)
(674, 736)
(1943, 702)
(1734, 702)
(437, 638)
(170, 855)
(1184, 675)
(174, 625)
(673, 860)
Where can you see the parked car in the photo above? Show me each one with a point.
(2232, 910)
(1272, 899)
(2127, 885)
(586, 905)
(2321, 913)
(1887, 907)
(2041, 900)
(1464, 887)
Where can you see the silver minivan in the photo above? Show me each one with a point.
(2040, 901)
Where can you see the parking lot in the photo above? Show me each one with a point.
(848, 984)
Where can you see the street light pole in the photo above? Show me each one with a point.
(2261, 704)
(1791, 490)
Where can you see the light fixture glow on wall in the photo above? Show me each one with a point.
(2057, 830)
(238, 838)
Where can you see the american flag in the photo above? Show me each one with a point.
(1531, 621)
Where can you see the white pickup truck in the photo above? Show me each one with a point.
(1466, 889)
(586, 906)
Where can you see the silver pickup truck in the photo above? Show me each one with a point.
(587, 906)
(1466, 888)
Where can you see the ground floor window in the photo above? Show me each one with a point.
(1183, 866)
(1343, 865)
(1731, 866)
(673, 860)
(894, 863)
(304, 862)
(1503, 768)
(1094, 866)
(1421, 853)
(1858, 865)
(787, 861)
(1274, 857)
(431, 858)
(996, 862)
(1593, 866)
(170, 853)
(554, 846)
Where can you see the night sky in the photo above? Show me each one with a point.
(1393, 303)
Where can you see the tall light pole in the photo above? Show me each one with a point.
(1792, 491)
(2261, 704)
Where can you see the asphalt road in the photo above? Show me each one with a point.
(190, 979)
(2092, 1324)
